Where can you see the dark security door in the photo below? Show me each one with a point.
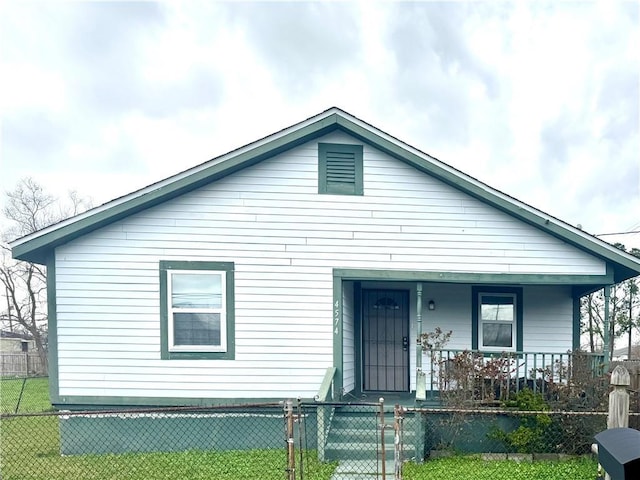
(385, 340)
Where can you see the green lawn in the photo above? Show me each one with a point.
(35, 396)
(30, 450)
(474, 468)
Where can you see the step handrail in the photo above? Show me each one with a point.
(324, 417)
(325, 392)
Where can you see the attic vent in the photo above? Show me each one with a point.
(340, 169)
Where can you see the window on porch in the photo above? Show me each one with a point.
(497, 316)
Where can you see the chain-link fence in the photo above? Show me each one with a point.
(502, 443)
(227, 442)
(291, 440)
(355, 439)
(24, 395)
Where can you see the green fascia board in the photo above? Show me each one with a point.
(475, 278)
(35, 250)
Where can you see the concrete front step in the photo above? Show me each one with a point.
(363, 451)
(362, 470)
(355, 435)
(358, 435)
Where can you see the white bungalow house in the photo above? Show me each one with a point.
(309, 259)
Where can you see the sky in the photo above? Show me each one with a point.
(537, 99)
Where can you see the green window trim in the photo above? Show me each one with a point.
(166, 352)
(340, 169)
(476, 292)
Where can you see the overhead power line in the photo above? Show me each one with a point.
(617, 233)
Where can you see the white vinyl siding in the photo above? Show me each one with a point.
(284, 239)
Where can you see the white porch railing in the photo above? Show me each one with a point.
(488, 377)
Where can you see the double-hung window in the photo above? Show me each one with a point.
(196, 309)
(497, 322)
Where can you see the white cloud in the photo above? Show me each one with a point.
(538, 99)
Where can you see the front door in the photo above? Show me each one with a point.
(385, 340)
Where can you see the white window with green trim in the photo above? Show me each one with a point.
(196, 310)
(497, 319)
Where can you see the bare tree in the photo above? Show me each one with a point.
(624, 317)
(30, 208)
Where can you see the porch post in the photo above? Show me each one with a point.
(606, 347)
(419, 327)
(421, 381)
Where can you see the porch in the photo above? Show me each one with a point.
(476, 378)
(503, 336)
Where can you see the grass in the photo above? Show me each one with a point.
(474, 468)
(30, 450)
(35, 396)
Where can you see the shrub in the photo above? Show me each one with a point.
(532, 433)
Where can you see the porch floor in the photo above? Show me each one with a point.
(404, 399)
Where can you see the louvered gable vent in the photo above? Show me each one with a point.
(340, 169)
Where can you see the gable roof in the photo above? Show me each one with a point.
(37, 246)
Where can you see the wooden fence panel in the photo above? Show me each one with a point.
(20, 364)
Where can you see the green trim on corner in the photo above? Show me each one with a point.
(229, 268)
(338, 336)
(475, 291)
(52, 329)
(463, 277)
(357, 188)
(357, 334)
(576, 323)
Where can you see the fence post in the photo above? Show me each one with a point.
(619, 398)
(383, 452)
(398, 416)
(322, 440)
(618, 403)
(291, 456)
(302, 432)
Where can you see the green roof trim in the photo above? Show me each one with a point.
(52, 329)
(472, 277)
(36, 247)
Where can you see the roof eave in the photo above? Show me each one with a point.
(37, 247)
(625, 265)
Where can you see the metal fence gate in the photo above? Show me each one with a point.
(353, 441)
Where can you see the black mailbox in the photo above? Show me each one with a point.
(619, 453)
